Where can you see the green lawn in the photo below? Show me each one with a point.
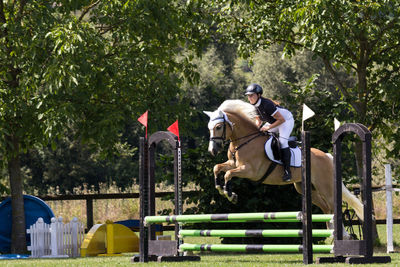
(207, 259)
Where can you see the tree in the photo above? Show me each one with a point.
(359, 37)
(86, 65)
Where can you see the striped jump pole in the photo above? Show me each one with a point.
(253, 248)
(255, 233)
(294, 216)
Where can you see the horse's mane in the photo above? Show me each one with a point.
(241, 108)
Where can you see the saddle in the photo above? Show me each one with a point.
(273, 153)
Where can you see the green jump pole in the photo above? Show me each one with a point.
(237, 217)
(252, 248)
(321, 217)
(255, 233)
(234, 217)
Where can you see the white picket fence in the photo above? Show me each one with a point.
(56, 239)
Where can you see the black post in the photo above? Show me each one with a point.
(150, 248)
(367, 197)
(151, 183)
(306, 200)
(178, 189)
(353, 251)
(89, 213)
(144, 198)
(337, 178)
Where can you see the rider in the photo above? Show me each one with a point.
(277, 119)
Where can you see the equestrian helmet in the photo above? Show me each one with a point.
(254, 89)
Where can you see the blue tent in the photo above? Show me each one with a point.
(34, 208)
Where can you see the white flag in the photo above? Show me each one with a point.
(307, 112)
(337, 123)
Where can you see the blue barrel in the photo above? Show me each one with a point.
(134, 225)
(34, 208)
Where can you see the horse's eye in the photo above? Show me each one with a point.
(218, 127)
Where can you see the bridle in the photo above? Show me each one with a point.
(223, 136)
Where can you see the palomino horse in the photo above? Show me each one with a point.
(233, 121)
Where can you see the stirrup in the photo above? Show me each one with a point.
(286, 177)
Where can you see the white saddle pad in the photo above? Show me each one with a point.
(295, 159)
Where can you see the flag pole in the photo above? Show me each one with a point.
(143, 120)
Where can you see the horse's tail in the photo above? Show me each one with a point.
(351, 199)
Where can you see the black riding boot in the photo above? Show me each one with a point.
(287, 175)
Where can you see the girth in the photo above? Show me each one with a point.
(270, 169)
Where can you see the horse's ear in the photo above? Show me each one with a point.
(208, 113)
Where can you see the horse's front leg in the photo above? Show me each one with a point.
(223, 167)
(240, 172)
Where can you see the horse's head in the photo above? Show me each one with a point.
(220, 129)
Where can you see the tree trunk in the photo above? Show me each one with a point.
(18, 235)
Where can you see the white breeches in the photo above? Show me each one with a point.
(285, 129)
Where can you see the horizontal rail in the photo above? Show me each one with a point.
(253, 248)
(227, 217)
(107, 196)
(294, 216)
(255, 233)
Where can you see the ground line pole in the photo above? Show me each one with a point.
(306, 199)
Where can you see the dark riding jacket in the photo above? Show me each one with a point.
(266, 109)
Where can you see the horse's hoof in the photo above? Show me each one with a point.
(234, 198)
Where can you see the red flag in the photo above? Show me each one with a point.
(143, 120)
(174, 128)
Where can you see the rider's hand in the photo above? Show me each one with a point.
(265, 129)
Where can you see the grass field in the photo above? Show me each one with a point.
(230, 260)
(207, 259)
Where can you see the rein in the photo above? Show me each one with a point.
(256, 134)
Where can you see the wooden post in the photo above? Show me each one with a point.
(89, 213)
(178, 189)
(306, 199)
(353, 251)
(144, 200)
(151, 249)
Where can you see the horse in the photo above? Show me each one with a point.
(234, 121)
